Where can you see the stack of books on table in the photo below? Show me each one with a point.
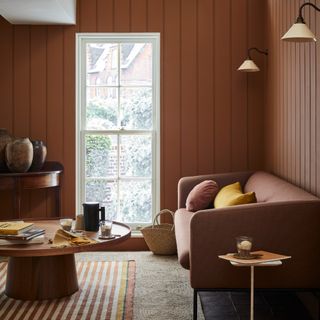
(19, 232)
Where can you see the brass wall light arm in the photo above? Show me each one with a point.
(256, 49)
(300, 17)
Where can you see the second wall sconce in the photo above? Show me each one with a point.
(248, 65)
(299, 32)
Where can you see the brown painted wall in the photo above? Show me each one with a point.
(211, 115)
(292, 112)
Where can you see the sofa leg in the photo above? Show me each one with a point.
(195, 304)
(318, 298)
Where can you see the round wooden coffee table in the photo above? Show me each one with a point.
(40, 272)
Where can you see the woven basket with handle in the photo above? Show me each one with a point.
(160, 237)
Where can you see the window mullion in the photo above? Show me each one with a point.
(118, 139)
(118, 178)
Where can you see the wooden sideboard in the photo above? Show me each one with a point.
(48, 177)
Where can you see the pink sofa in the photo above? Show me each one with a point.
(285, 219)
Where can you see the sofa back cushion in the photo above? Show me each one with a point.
(202, 196)
(268, 187)
(232, 195)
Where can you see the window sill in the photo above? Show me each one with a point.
(136, 234)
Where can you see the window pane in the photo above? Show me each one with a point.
(104, 192)
(102, 108)
(136, 108)
(136, 64)
(102, 64)
(101, 156)
(135, 155)
(135, 201)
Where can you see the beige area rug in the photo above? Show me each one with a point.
(106, 292)
(162, 290)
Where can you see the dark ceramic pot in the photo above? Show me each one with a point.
(5, 138)
(39, 155)
(19, 155)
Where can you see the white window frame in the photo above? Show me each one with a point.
(81, 40)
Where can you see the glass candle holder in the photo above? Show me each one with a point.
(105, 228)
(244, 246)
(66, 224)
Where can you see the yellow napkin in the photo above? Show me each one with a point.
(64, 238)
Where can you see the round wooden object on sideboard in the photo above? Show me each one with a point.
(5, 138)
(39, 155)
(19, 155)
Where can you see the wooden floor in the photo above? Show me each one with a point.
(268, 306)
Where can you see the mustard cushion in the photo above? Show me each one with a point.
(232, 195)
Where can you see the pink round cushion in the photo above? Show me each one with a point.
(202, 195)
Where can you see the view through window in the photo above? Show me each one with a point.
(118, 135)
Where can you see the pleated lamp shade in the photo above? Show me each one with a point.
(248, 66)
(299, 32)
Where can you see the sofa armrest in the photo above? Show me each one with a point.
(290, 228)
(186, 184)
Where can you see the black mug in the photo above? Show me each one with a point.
(91, 215)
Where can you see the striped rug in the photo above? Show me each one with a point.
(106, 292)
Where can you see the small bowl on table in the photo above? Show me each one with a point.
(66, 224)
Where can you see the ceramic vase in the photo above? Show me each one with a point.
(19, 155)
(39, 155)
(5, 138)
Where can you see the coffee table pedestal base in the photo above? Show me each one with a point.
(41, 278)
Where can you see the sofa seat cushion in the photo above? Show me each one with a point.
(269, 188)
(182, 220)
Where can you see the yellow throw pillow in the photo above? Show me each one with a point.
(232, 195)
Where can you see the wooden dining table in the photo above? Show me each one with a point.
(41, 271)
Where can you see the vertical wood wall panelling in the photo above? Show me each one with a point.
(206, 89)
(313, 159)
(301, 88)
(105, 17)
(21, 75)
(298, 110)
(239, 85)
(155, 23)
(274, 88)
(278, 80)
(88, 15)
(6, 96)
(69, 123)
(55, 105)
(297, 118)
(308, 102)
(122, 9)
(291, 114)
(223, 71)
(317, 76)
(6, 79)
(292, 97)
(172, 101)
(285, 60)
(269, 124)
(256, 87)
(189, 92)
(138, 16)
(38, 106)
(21, 87)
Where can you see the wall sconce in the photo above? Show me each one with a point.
(248, 65)
(299, 32)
